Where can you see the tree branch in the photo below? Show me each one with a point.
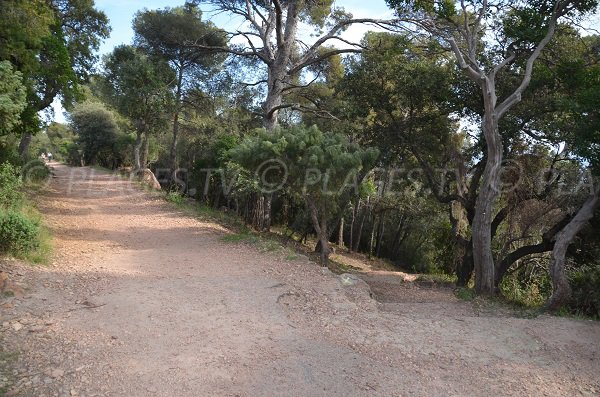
(515, 97)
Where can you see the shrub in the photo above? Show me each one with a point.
(35, 171)
(74, 154)
(175, 198)
(585, 282)
(527, 287)
(466, 294)
(18, 233)
(10, 183)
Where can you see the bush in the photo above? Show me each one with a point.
(585, 282)
(74, 154)
(35, 171)
(18, 233)
(175, 198)
(10, 183)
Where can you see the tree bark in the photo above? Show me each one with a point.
(362, 224)
(26, 138)
(489, 190)
(173, 165)
(355, 208)
(277, 78)
(320, 225)
(266, 223)
(380, 232)
(560, 283)
(145, 151)
(137, 147)
(464, 272)
(341, 233)
(372, 240)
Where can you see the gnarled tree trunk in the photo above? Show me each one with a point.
(488, 193)
(319, 221)
(560, 283)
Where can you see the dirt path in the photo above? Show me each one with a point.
(141, 300)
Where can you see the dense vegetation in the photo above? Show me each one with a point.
(459, 141)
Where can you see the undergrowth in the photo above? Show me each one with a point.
(22, 233)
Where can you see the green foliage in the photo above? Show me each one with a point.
(97, 132)
(318, 164)
(466, 294)
(323, 169)
(12, 98)
(21, 233)
(400, 94)
(164, 33)
(175, 198)
(215, 156)
(52, 43)
(436, 278)
(529, 287)
(74, 154)
(10, 184)
(244, 237)
(18, 233)
(585, 282)
(60, 137)
(35, 171)
(443, 8)
(137, 85)
(23, 26)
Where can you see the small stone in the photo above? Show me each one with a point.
(36, 329)
(57, 373)
(348, 279)
(17, 326)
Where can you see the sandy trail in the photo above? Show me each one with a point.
(141, 300)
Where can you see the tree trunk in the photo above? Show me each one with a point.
(320, 226)
(354, 214)
(137, 147)
(560, 283)
(372, 240)
(380, 232)
(145, 151)
(464, 270)
(277, 78)
(259, 212)
(341, 233)
(324, 238)
(266, 224)
(24, 144)
(362, 224)
(173, 165)
(399, 236)
(484, 207)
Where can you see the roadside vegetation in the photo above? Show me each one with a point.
(22, 234)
